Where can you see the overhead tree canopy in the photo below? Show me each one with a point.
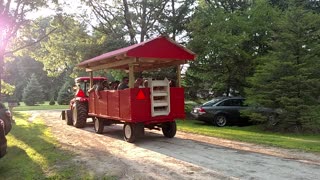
(141, 20)
(12, 18)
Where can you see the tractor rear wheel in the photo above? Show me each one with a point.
(169, 129)
(79, 115)
(98, 125)
(69, 120)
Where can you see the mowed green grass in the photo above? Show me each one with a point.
(44, 106)
(253, 134)
(33, 153)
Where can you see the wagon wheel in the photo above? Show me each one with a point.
(98, 125)
(129, 132)
(169, 129)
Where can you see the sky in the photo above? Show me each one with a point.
(69, 7)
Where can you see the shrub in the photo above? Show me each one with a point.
(64, 96)
(52, 102)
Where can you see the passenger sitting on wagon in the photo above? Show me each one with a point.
(145, 83)
(124, 83)
(114, 85)
(172, 83)
(138, 83)
(99, 87)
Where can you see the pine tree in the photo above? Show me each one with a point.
(33, 92)
(64, 95)
(288, 78)
(220, 36)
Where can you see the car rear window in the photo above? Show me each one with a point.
(232, 102)
(212, 102)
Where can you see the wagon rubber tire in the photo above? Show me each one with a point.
(69, 119)
(169, 129)
(129, 132)
(98, 125)
(220, 120)
(79, 115)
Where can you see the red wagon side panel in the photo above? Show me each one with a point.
(102, 103)
(134, 105)
(125, 104)
(140, 108)
(177, 103)
(92, 102)
(113, 105)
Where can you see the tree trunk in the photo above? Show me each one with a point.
(143, 21)
(127, 18)
(174, 20)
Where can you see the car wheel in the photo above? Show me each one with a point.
(272, 120)
(220, 120)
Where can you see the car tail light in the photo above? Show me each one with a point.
(80, 93)
(8, 113)
(202, 111)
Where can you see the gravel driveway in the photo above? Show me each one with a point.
(187, 156)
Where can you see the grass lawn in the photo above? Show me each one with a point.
(253, 134)
(33, 153)
(44, 106)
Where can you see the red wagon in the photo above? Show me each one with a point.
(154, 107)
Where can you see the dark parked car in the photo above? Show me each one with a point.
(5, 127)
(223, 111)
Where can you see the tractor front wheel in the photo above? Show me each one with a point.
(69, 120)
(79, 115)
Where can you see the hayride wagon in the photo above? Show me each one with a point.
(155, 106)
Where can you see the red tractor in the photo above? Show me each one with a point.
(78, 113)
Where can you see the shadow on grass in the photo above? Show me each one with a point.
(34, 154)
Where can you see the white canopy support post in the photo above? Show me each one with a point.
(178, 76)
(91, 79)
(131, 75)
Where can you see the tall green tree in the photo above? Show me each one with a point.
(141, 19)
(219, 37)
(12, 18)
(288, 77)
(33, 92)
(63, 48)
(19, 71)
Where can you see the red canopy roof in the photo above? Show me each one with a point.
(154, 53)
